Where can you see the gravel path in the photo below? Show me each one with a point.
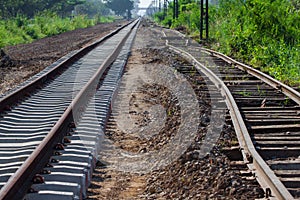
(214, 176)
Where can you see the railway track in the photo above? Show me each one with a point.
(65, 109)
(50, 126)
(136, 139)
(264, 112)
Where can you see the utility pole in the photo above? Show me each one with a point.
(206, 19)
(165, 7)
(203, 19)
(159, 6)
(175, 9)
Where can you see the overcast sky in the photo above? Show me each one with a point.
(145, 3)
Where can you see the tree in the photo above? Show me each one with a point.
(29, 8)
(64, 8)
(121, 7)
(92, 8)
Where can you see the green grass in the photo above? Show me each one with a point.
(262, 33)
(23, 30)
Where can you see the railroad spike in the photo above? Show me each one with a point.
(53, 160)
(31, 190)
(38, 179)
(57, 153)
(44, 171)
(66, 140)
(72, 125)
(27, 94)
(7, 108)
(59, 146)
(48, 165)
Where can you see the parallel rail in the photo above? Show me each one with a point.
(287, 90)
(255, 159)
(78, 109)
(21, 180)
(31, 85)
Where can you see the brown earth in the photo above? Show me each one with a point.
(189, 177)
(24, 60)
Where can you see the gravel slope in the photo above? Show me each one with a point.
(214, 176)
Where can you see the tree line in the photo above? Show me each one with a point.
(29, 8)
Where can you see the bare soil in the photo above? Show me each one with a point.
(20, 62)
(190, 176)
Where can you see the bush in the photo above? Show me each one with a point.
(23, 30)
(262, 33)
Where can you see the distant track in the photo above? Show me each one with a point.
(265, 114)
(45, 132)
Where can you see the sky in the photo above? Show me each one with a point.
(145, 3)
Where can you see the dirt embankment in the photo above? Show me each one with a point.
(18, 63)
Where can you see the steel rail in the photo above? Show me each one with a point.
(19, 93)
(287, 90)
(248, 150)
(18, 184)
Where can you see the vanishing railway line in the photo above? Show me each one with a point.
(264, 112)
(65, 109)
(43, 113)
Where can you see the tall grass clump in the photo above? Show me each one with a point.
(12, 33)
(23, 30)
(262, 33)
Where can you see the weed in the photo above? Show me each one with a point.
(193, 71)
(286, 101)
(262, 33)
(244, 93)
(23, 30)
(260, 91)
(245, 77)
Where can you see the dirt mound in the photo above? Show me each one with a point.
(5, 60)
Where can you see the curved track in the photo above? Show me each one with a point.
(51, 126)
(51, 110)
(264, 112)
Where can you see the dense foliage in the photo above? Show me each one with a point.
(121, 7)
(30, 8)
(23, 21)
(23, 30)
(92, 8)
(263, 33)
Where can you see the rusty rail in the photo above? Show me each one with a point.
(247, 147)
(19, 183)
(285, 89)
(33, 85)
